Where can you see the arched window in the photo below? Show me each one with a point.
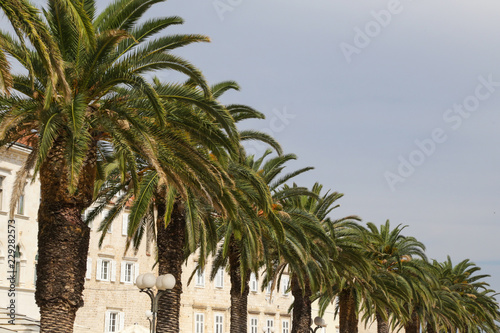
(17, 257)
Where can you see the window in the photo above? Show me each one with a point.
(199, 319)
(36, 264)
(218, 323)
(269, 326)
(285, 326)
(106, 270)
(219, 278)
(114, 321)
(88, 274)
(125, 224)
(254, 285)
(17, 267)
(128, 272)
(200, 278)
(254, 322)
(285, 283)
(20, 205)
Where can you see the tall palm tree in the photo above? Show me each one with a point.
(321, 273)
(183, 222)
(85, 95)
(246, 237)
(354, 270)
(392, 252)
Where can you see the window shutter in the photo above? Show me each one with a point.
(122, 271)
(121, 316)
(125, 224)
(99, 266)
(106, 321)
(136, 271)
(88, 275)
(113, 270)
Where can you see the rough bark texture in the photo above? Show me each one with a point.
(413, 326)
(382, 325)
(239, 295)
(301, 320)
(63, 241)
(348, 318)
(170, 241)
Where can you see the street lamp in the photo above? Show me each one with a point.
(319, 322)
(163, 283)
(268, 329)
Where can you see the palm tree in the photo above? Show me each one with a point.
(321, 273)
(183, 222)
(85, 95)
(392, 253)
(354, 270)
(246, 237)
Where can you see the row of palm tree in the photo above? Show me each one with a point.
(103, 129)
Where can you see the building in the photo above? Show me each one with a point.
(112, 301)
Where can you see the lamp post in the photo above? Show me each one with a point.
(319, 322)
(163, 283)
(268, 329)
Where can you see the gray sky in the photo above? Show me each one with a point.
(351, 87)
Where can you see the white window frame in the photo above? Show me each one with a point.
(269, 325)
(218, 323)
(111, 273)
(21, 205)
(285, 326)
(285, 284)
(199, 322)
(219, 278)
(254, 284)
(134, 272)
(200, 278)
(254, 325)
(119, 320)
(125, 219)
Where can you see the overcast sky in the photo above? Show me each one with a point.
(395, 103)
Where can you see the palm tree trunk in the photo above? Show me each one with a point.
(413, 325)
(63, 240)
(170, 241)
(239, 290)
(382, 325)
(347, 312)
(301, 306)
